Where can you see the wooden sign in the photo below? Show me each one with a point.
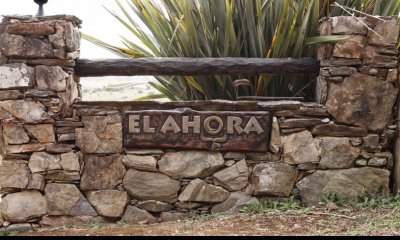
(189, 129)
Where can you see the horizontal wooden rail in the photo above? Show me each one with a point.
(194, 66)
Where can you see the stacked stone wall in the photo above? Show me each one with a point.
(64, 159)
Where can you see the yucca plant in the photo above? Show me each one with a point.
(230, 28)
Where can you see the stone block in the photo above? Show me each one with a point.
(16, 76)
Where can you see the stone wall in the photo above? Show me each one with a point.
(65, 159)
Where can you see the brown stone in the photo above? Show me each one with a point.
(75, 221)
(263, 157)
(83, 208)
(42, 162)
(18, 46)
(155, 206)
(373, 57)
(200, 191)
(392, 77)
(351, 47)
(66, 137)
(36, 182)
(276, 179)
(388, 33)
(172, 216)
(347, 184)
(300, 148)
(102, 134)
(233, 178)
(141, 163)
(31, 29)
(70, 162)
(134, 215)
(279, 105)
(28, 111)
(337, 153)
(340, 71)
(151, 152)
(378, 72)
(44, 133)
(14, 175)
(59, 148)
(301, 123)
(151, 186)
(336, 62)
(52, 62)
(72, 37)
(234, 156)
(334, 130)
(102, 173)
(11, 95)
(371, 141)
(363, 101)
(190, 164)
(275, 142)
(27, 148)
(23, 206)
(64, 176)
(108, 203)
(14, 134)
(51, 78)
(234, 203)
(61, 198)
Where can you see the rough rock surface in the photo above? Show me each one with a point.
(141, 163)
(108, 203)
(200, 191)
(26, 47)
(191, 164)
(102, 173)
(276, 179)
(337, 153)
(299, 148)
(134, 215)
(234, 203)
(363, 101)
(350, 48)
(70, 162)
(151, 186)
(23, 206)
(13, 175)
(16, 76)
(36, 182)
(233, 178)
(51, 78)
(27, 111)
(42, 162)
(61, 198)
(275, 142)
(102, 134)
(14, 134)
(155, 206)
(44, 133)
(348, 184)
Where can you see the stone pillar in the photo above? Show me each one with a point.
(37, 91)
(359, 77)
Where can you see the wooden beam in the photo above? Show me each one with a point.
(195, 66)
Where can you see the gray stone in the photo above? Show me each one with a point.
(187, 205)
(233, 178)
(234, 203)
(61, 198)
(348, 25)
(57, 39)
(102, 134)
(24, 47)
(14, 134)
(234, 156)
(337, 153)
(59, 148)
(42, 162)
(134, 215)
(371, 141)
(27, 111)
(44, 133)
(263, 157)
(347, 184)
(65, 176)
(392, 77)
(13, 175)
(70, 162)
(230, 163)
(301, 123)
(155, 206)
(83, 208)
(16, 76)
(363, 101)
(141, 163)
(36, 182)
(335, 62)
(23, 206)
(20, 227)
(361, 162)
(351, 47)
(276, 179)
(151, 186)
(73, 55)
(72, 37)
(374, 57)
(339, 71)
(388, 33)
(152, 152)
(172, 216)
(275, 142)
(378, 162)
(51, 78)
(108, 203)
(102, 173)
(191, 164)
(26, 148)
(200, 191)
(300, 148)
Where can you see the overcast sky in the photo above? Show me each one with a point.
(96, 20)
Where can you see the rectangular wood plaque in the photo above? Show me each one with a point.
(188, 129)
